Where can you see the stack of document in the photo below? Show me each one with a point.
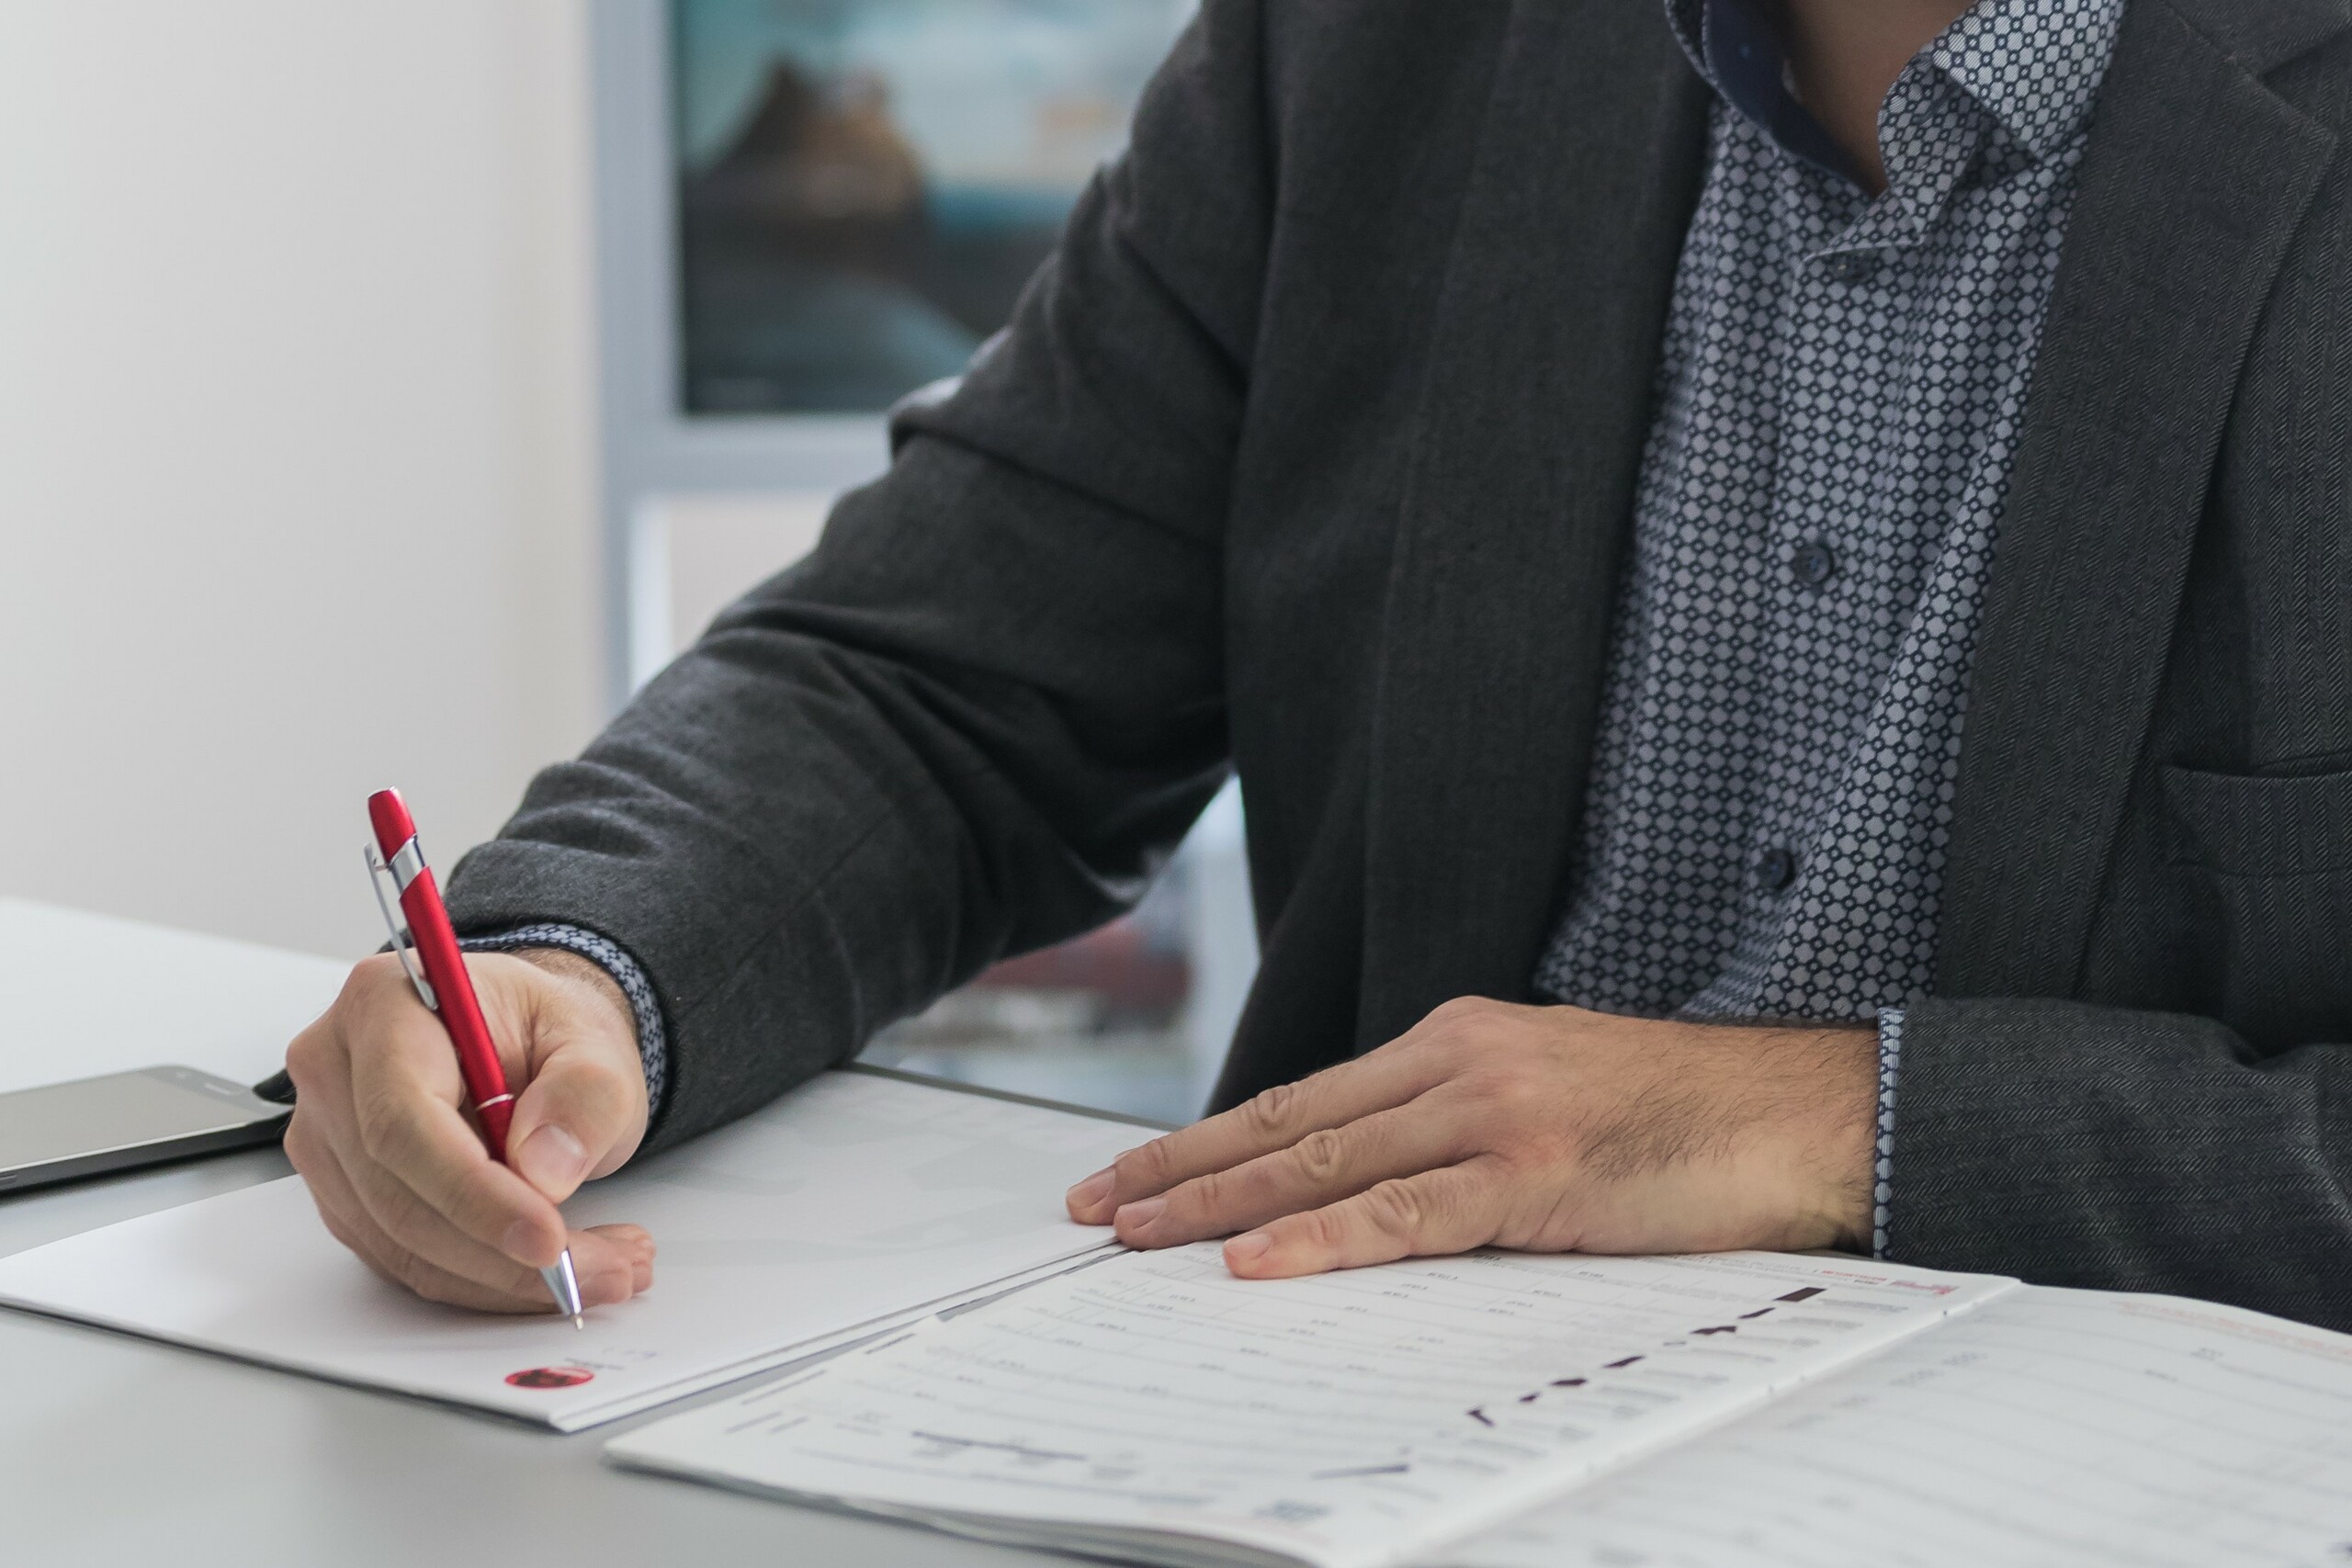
(1502, 1411)
(859, 1203)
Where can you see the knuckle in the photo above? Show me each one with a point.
(1207, 1195)
(1323, 1230)
(1461, 1029)
(1466, 1017)
(306, 1056)
(1395, 1207)
(1322, 1156)
(1459, 1010)
(370, 979)
(1269, 1112)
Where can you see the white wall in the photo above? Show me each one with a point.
(296, 429)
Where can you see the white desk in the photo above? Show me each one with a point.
(116, 1451)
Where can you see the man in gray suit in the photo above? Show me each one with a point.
(1799, 548)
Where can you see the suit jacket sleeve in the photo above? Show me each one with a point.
(2088, 1146)
(973, 721)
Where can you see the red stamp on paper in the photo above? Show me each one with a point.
(549, 1377)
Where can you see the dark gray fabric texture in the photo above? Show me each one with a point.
(1312, 453)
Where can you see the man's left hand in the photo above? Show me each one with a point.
(1540, 1129)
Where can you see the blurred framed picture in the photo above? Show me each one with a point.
(865, 185)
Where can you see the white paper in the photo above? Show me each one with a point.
(846, 1207)
(1340, 1420)
(2047, 1429)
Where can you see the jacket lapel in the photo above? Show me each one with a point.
(2195, 180)
(1520, 492)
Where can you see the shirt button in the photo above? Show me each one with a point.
(1813, 563)
(1854, 267)
(1775, 870)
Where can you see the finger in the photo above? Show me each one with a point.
(327, 1146)
(361, 1225)
(609, 1259)
(309, 1144)
(407, 1077)
(582, 1114)
(414, 1226)
(408, 1126)
(608, 1273)
(602, 1284)
(632, 1245)
(330, 1194)
(1273, 1120)
(612, 1262)
(1320, 1168)
(347, 1220)
(309, 1147)
(1434, 1213)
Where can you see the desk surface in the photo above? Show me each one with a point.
(115, 1450)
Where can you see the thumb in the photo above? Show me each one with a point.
(584, 1110)
(582, 1113)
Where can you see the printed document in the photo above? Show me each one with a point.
(1504, 1411)
(2047, 1428)
(854, 1203)
(1151, 1406)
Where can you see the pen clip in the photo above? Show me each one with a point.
(403, 941)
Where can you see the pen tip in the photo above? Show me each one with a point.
(579, 1322)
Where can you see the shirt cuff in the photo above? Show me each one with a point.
(652, 1041)
(1890, 1064)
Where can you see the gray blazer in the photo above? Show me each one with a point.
(1311, 454)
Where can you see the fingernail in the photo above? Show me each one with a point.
(552, 1159)
(1248, 1248)
(1091, 1191)
(1135, 1216)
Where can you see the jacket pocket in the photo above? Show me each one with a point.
(2271, 859)
(2258, 825)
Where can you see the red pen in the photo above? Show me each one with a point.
(448, 993)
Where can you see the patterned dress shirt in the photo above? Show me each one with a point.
(1839, 407)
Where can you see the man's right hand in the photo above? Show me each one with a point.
(399, 1170)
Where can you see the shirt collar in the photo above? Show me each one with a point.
(1735, 46)
(2069, 42)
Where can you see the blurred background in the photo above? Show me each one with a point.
(388, 387)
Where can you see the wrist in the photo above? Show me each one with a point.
(586, 971)
(1813, 1092)
(1783, 1117)
(1843, 1177)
